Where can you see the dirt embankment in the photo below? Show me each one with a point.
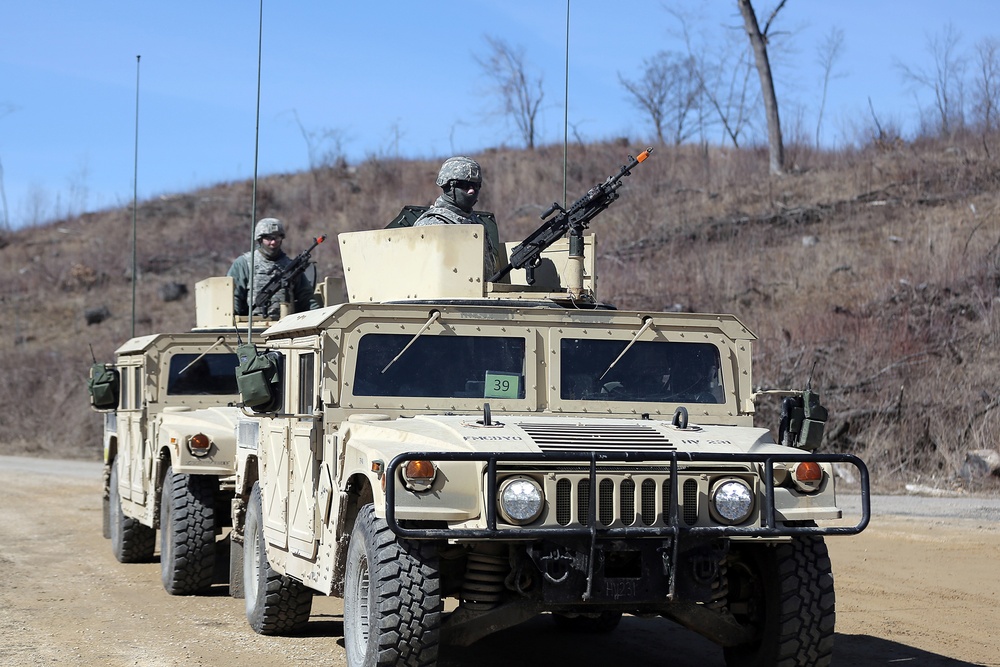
(917, 587)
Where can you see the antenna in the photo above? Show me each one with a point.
(135, 191)
(256, 154)
(566, 110)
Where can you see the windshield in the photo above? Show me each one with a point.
(440, 366)
(650, 371)
(213, 374)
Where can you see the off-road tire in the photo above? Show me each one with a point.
(236, 589)
(106, 519)
(131, 542)
(602, 623)
(392, 597)
(187, 532)
(275, 604)
(106, 504)
(789, 594)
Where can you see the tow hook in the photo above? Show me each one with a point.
(666, 556)
(555, 565)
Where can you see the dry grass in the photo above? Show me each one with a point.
(873, 275)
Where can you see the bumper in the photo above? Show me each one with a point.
(769, 524)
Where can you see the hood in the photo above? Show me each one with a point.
(219, 423)
(553, 434)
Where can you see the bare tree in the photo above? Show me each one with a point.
(986, 84)
(944, 80)
(668, 92)
(758, 41)
(324, 147)
(520, 95)
(5, 219)
(722, 76)
(827, 55)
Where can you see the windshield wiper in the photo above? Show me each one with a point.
(200, 356)
(647, 322)
(435, 314)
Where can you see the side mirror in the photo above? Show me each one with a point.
(103, 386)
(803, 421)
(258, 378)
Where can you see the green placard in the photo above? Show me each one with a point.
(502, 385)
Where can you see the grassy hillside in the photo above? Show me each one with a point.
(872, 275)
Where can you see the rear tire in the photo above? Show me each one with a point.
(392, 597)
(787, 593)
(187, 532)
(106, 519)
(275, 604)
(131, 542)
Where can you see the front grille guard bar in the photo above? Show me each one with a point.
(770, 526)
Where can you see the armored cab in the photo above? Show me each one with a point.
(519, 447)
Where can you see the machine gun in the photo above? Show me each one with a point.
(284, 278)
(527, 254)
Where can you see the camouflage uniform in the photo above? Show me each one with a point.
(264, 267)
(446, 211)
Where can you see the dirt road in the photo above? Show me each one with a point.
(911, 590)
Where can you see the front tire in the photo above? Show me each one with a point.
(785, 592)
(392, 598)
(131, 542)
(275, 604)
(187, 532)
(235, 568)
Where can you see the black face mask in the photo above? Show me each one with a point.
(461, 196)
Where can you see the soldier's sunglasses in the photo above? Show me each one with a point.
(467, 185)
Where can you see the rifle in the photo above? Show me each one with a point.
(284, 278)
(527, 254)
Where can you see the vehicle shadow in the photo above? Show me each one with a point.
(653, 641)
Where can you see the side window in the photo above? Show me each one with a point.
(137, 387)
(126, 390)
(307, 388)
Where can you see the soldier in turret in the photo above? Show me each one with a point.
(269, 259)
(460, 179)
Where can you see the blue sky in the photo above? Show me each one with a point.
(396, 77)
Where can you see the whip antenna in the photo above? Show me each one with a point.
(256, 154)
(566, 110)
(135, 190)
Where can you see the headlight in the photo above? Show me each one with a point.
(520, 500)
(732, 501)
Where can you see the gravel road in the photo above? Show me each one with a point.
(918, 587)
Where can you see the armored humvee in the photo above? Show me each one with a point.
(170, 443)
(517, 449)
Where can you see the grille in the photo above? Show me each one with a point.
(690, 502)
(627, 500)
(597, 437)
(648, 502)
(622, 500)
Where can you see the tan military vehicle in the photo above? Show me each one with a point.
(170, 444)
(454, 455)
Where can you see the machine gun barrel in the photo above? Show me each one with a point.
(283, 278)
(527, 254)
